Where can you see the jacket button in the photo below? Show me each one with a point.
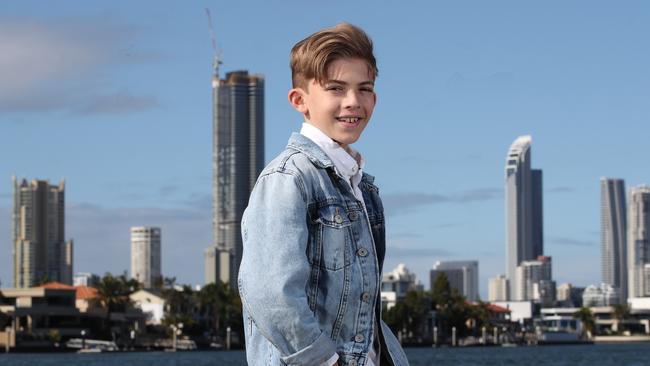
(362, 252)
(365, 296)
(359, 338)
(352, 363)
(353, 215)
(338, 219)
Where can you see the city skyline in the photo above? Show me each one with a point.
(123, 112)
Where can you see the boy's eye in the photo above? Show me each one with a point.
(334, 88)
(369, 90)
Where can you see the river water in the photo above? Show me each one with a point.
(596, 355)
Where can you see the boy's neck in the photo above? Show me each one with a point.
(345, 147)
(353, 153)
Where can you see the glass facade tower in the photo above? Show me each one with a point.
(613, 227)
(524, 209)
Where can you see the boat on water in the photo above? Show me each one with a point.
(91, 345)
(183, 344)
(558, 326)
(89, 350)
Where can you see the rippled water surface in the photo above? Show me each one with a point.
(600, 355)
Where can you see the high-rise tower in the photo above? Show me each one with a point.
(524, 209)
(638, 242)
(613, 227)
(462, 275)
(38, 225)
(537, 202)
(146, 255)
(238, 158)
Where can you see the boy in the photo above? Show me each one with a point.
(313, 231)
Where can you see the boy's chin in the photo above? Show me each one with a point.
(346, 140)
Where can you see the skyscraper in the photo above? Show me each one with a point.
(40, 251)
(533, 277)
(498, 289)
(146, 255)
(613, 234)
(462, 275)
(638, 240)
(238, 158)
(537, 212)
(524, 209)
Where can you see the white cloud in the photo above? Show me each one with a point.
(62, 66)
(33, 53)
(117, 103)
(407, 202)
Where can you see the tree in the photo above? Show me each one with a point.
(410, 315)
(441, 292)
(5, 320)
(479, 315)
(42, 280)
(113, 292)
(586, 317)
(396, 317)
(209, 311)
(179, 307)
(621, 313)
(452, 309)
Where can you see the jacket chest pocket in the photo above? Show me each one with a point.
(330, 239)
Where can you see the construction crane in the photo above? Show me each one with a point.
(217, 54)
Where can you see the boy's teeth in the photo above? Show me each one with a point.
(349, 119)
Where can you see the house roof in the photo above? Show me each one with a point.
(148, 296)
(56, 286)
(497, 309)
(82, 292)
(86, 292)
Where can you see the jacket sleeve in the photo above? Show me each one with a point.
(275, 269)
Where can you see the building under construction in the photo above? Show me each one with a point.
(237, 160)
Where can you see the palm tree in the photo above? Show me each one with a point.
(621, 313)
(113, 293)
(586, 317)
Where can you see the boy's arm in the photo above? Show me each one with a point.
(274, 270)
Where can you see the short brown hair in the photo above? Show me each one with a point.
(311, 56)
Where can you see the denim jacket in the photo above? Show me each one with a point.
(311, 268)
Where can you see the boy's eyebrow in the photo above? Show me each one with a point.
(368, 82)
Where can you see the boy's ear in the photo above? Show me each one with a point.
(297, 100)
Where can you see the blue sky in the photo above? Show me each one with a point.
(115, 98)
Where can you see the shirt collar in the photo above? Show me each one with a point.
(348, 162)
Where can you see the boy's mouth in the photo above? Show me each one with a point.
(348, 119)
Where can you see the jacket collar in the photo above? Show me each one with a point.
(306, 146)
(316, 155)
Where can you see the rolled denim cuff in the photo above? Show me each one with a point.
(332, 361)
(316, 353)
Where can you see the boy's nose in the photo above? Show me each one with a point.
(351, 100)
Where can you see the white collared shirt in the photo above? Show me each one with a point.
(348, 163)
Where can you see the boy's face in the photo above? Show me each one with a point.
(343, 105)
